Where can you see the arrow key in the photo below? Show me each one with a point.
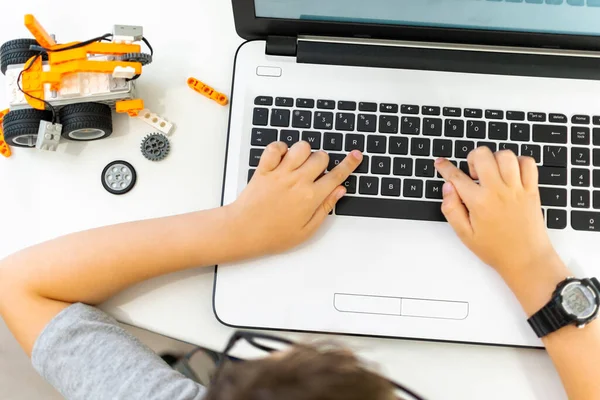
(557, 219)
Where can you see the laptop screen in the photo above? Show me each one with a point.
(573, 17)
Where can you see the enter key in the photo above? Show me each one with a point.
(552, 176)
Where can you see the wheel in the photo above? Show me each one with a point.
(118, 177)
(16, 52)
(21, 126)
(86, 121)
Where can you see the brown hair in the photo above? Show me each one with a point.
(303, 373)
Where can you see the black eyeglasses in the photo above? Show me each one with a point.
(275, 344)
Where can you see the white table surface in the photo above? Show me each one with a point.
(44, 194)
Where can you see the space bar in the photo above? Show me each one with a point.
(388, 208)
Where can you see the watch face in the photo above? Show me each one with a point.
(579, 300)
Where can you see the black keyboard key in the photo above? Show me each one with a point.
(313, 138)
(455, 163)
(550, 133)
(442, 148)
(464, 167)
(498, 130)
(398, 145)
(409, 109)
(280, 118)
(260, 116)
(368, 107)
(596, 180)
(430, 110)
(536, 116)
(454, 128)
(263, 101)
(463, 148)
(420, 147)
(388, 108)
(290, 137)
(255, 155)
(580, 156)
(532, 150)
(520, 132)
(432, 126)
(411, 125)
(490, 145)
(251, 174)
(350, 184)
(363, 167)
(424, 168)
(413, 188)
(345, 122)
(346, 105)
(326, 104)
(555, 156)
(557, 219)
(284, 102)
(388, 124)
(452, 112)
(553, 197)
(334, 160)
(580, 199)
(509, 146)
(390, 187)
(552, 176)
(473, 113)
(302, 119)
(587, 221)
(403, 166)
(596, 136)
(558, 118)
(596, 120)
(476, 129)
(381, 165)
(494, 114)
(596, 200)
(515, 115)
(580, 177)
(433, 190)
(323, 120)
(581, 135)
(262, 137)
(368, 185)
(332, 141)
(390, 208)
(355, 142)
(305, 103)
(581, 119)
(367, 123)
(377, 144)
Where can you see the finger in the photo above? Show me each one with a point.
(324, 209)
(508, 164)
(464, 185)
(483, 166)
(271, 157)
(296, 156)
(456, 213)
(339, 174)
(314, 167)
(529, 173)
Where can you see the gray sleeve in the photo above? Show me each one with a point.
(86, 355)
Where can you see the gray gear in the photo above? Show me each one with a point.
(155, 147)
(142, 58)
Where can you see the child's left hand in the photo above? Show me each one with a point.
(288, 198)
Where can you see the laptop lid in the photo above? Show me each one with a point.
(565, 24)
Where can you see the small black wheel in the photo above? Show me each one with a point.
(21, 126)
(118, 177)
(142, 58)
(86, 121)
(15, 52)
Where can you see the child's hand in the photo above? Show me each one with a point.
(288, 198)
(501, 219)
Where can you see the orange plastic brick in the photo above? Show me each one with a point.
(93, 48)
(33, 84)
(38, 32)
(131, 107)
(4, 149)
(207, 91)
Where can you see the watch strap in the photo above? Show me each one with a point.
(550, 318)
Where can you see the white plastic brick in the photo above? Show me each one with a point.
(124, 72)
(157, 122)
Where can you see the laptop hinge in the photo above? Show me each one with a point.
(282, 46)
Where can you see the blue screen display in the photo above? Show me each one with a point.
(576, 17)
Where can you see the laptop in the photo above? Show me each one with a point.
(407, 81)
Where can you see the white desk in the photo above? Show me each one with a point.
(197, 38)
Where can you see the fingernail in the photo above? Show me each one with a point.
(356, 154)
(447, 189)
(439, 160)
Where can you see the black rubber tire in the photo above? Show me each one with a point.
(127, 189)
(16, 52)
(86, 116)
(19, 123)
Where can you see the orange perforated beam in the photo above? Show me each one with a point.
(207, 91)
(38, 32)
(32, 83)
(94, 48)
(54, 76)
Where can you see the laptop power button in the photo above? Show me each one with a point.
(272, 72)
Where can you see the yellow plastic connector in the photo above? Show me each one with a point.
(4, 149)
(131, 107)
(207, 91)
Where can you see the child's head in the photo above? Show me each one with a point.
(303, 373)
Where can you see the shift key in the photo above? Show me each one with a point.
(550, 133)
(553, 197)
(553, 176)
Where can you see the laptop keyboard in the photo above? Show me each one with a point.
(397, 178)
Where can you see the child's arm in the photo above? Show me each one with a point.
(501, 221)
(284, 204)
